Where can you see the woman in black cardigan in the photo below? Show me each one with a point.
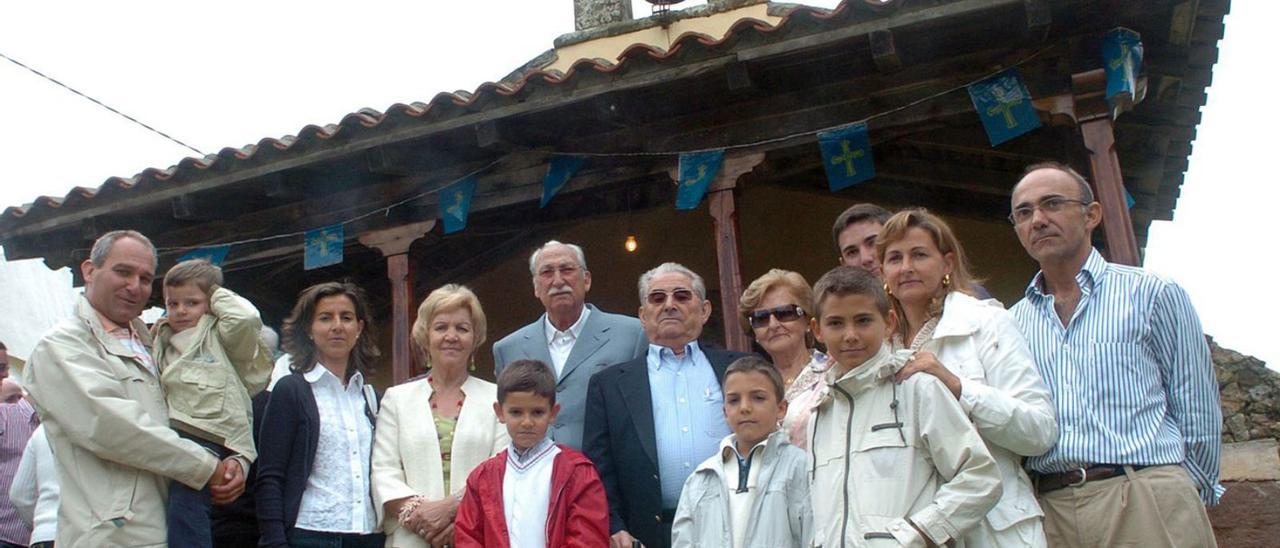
(317, 432)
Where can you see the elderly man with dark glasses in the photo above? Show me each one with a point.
(775, 314)
(651, 420)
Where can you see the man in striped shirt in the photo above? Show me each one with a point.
(17, 421)
(1124, 356)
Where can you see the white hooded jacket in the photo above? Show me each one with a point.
(890, 462)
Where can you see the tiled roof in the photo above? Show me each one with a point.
(441, 107)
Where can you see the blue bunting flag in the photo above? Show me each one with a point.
(323, 247)
(1004, 105)
(561, 170)
(455, 204)
(1122, 57)
(214, 254)
(846, 155)
(697, 170)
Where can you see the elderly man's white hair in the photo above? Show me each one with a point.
(699, 287)
(537, 254)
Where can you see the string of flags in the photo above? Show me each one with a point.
(1001, 100)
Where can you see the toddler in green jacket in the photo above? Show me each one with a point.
(211, 362)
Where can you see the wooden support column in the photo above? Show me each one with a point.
(724, 212)
(1094, 116)
(1087, 108)
(394, 244)
(1108, 184)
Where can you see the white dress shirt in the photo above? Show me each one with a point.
(560, 343)
(526, 493)
(336, 498)
(740, 501)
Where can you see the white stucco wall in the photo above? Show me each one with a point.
(32, 299)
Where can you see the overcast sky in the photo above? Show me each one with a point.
(217, 74)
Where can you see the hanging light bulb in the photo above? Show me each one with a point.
(631, 244)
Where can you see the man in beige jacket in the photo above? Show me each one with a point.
(98, 393)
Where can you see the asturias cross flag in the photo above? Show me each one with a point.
(455, 204)
(1004, 105)
(846, 155)
(697, 170)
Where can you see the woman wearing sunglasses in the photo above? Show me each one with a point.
(775, 312)
(975, 348)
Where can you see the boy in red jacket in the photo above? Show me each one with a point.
(536, 493)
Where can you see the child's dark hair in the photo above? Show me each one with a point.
(195, 271)
(756, 364)
(847, 280)
(527, 376)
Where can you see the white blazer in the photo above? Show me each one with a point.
(1004, 396)
(406, 448)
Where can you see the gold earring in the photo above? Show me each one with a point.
(472, 368)
(946, 280)
(886, 290)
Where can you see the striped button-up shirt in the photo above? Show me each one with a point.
(17, 421)
(1130, 374)
(688, 414)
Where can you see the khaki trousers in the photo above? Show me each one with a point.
(1152, 507)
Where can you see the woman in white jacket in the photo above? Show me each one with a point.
(434, 430)
(976, 350)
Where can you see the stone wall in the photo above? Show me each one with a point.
(1250, 396)
(1249, 514)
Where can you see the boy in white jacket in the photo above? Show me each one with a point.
(754, 492)
(898, 464)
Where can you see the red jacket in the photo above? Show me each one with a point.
(578, 515)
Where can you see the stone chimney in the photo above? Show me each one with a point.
(598, 13)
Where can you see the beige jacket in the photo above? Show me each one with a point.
(104, 414)
(896, 455)
(406, 448)
(208, 387)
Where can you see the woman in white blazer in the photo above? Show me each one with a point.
(976, 350)
(421, 461)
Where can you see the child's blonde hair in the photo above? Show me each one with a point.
(197, 271)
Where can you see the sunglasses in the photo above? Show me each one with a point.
(786, 313)
(680, 296)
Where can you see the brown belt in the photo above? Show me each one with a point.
(1075, 478)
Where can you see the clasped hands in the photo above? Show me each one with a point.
(432, 520)
(227, 482)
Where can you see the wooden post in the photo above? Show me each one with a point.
(1108, 184)
(1094, 116)
(394, 244)
(1087, 108)
(724, 213)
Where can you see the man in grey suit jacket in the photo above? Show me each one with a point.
(576, 339)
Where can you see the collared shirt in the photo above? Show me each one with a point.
(17, 421)
(741, 476)
(130, 339)
(688, 415)
(560, 343)
(336, 498)
(526, 493)
(34, 492)
(1130, 374)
